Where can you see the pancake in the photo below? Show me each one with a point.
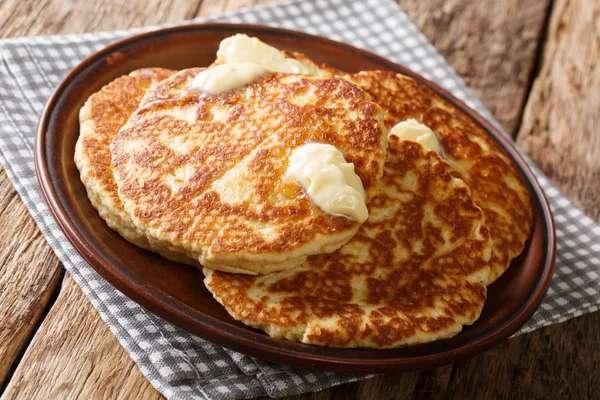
(204, 175)
(495, 183)
(415, 271)
(101, 117)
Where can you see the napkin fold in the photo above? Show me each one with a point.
(181, 365)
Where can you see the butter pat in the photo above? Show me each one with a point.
(413, 130)
(243, 48)
(225, 77)
(329, 180)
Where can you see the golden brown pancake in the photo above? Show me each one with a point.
(415, 271)
(101, 117)
(204, 175)
(495, 183)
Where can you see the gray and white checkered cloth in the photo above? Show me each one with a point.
(178, 364)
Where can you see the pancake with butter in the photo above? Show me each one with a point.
(495, 183)
(414, 272)
(206, 174)
(101, 117)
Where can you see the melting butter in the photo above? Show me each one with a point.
(413, 130)
(225, 77)
(329, 180)
(243, 48)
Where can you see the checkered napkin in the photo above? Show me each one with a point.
(178, 364)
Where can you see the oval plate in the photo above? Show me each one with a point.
(176, 292)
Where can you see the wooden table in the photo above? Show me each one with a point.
(534, 63)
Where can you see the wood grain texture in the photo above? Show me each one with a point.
(561, 120)
(29, 274)
(49, 17)
(423, 385)
(557, 362)
(491, 44)
(67, 361)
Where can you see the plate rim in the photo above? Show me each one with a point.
(261, 345)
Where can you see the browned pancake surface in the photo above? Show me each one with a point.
(206, 174)
(103, 114)
(414, 272)
(496, 185)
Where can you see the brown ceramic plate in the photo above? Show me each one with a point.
(176, 293)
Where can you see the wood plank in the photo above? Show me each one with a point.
(29, 274)
(49, 17)
(491, 44)
(422, 385)
(563, 112)
(69, 362)
(557, 362)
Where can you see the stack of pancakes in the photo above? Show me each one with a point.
(201, 179)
